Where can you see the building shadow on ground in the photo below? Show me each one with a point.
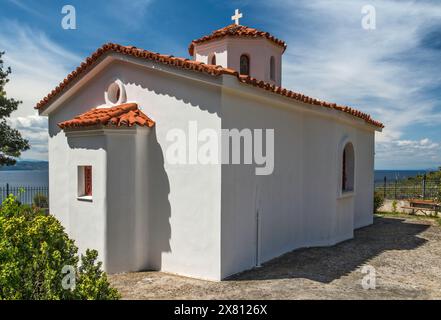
(326, 264)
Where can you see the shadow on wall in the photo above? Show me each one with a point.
(196, 94)
(326, 264)
(142, 236)
(89, 143)
(159, 209)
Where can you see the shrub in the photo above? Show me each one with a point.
(33, 251)
(378, 200)
(40, 201)
(394, 206)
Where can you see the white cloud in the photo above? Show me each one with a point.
(425, 142)
(26, 8)
(424, 153)
(414, 145)
(33, 123)
(384, 72)
(33, 128)
(38, 65)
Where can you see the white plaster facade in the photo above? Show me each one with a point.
(229, 50)
(204, 221)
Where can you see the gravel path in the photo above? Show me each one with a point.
(406, 255)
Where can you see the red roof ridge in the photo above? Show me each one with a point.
(234, 30)
(136, 52)
(127, 114)
(309, 100)
(214, 70)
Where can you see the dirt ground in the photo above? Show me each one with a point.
(405, 252)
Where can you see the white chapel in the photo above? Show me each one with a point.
(115, 188)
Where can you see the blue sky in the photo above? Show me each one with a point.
(392, 72)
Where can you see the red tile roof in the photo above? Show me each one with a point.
(92, 60)
(126, 114)
(303, 98)
(234, 30)
(187, 64)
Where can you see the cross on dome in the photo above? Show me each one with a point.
(237, 16)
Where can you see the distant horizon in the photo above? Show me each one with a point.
(376, 169)
(428, 169)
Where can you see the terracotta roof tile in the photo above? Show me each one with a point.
(126, 114)
(136, 52)
(194, 66)
(234, 30)
(303, 98)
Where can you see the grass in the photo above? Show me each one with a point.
(408, 216)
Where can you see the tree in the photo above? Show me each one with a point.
(38, 261)
(11, 141)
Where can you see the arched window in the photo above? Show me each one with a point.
(348, 167)
(272, 68)
(213, 59)
(244, 65)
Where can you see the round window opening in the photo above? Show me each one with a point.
(114, 93)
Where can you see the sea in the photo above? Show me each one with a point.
(25, 178)
(396, 174)
(40, 178)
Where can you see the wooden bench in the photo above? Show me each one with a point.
(423, 206)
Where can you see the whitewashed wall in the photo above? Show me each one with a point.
(299, 205)
(229, 50)
(149, 214)
(182, 199)
(86, 220)
(364, 184)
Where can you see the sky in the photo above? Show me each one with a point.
(392, 72)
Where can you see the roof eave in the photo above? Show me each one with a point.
(78, 83)
(108, 52)
(192, 45)
(286, 101)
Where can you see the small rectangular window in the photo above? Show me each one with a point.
(88, 180)
(85, 182)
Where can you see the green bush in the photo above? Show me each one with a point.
(40, 201)
(394, 206)
(378, 200)
(34, 249)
